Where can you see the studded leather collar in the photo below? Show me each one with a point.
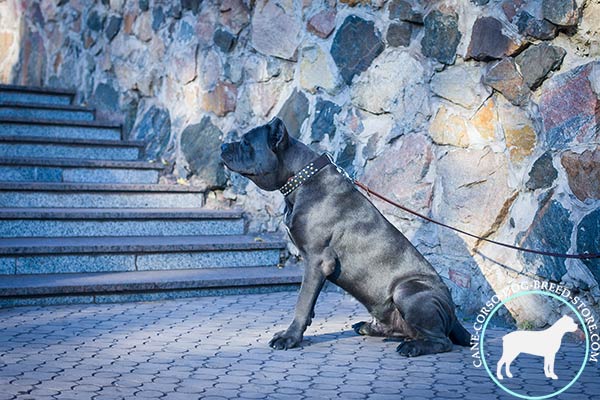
(305, 174)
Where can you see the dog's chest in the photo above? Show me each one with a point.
(287, 222)
(295, 226)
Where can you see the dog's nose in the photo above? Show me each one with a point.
(224, 147)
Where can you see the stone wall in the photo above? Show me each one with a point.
(482, 114)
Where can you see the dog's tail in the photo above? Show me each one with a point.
(459, 335)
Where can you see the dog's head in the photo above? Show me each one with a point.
(258, 156)
(568, 324)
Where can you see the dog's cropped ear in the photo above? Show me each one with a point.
(278, 135)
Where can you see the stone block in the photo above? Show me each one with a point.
(441, 36)
(447, 128)
(570, 107)
(519, 132)
(461, 85)
(200, 143)
(323, 122)
(355, 45)
(506, 78)
(322, 23)
(293, 112)
(536, 62)
(583, 173)
(561, 12)
(488, 41)
(588, 241)
(461, 183)
(403, 11)
(318, 71)
(391, 84)
(153, 128)
(276, 28)
(550, 231)
(542, 173)
(399, 34)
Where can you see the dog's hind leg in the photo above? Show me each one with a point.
(549, 366)
(430, 318)
(508, 359)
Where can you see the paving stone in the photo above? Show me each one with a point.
(149, 394)
(143, 337)
(252, 395)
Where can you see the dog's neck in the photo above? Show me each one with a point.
(557, 327)
(295, 158)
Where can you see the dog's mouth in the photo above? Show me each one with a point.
(230, 164)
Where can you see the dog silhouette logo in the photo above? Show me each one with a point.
(543, 343)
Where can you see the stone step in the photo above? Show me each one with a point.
(87, 222)
(35, 95)
(98, 195)
(139, 253)
(77, 171)
(31, 147)
(43, 289)
(46, 112)
(52, 284)
(59, 129)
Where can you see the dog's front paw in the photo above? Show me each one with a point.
(285, 340)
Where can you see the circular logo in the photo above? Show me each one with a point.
(530, 342)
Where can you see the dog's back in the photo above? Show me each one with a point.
(537, 343)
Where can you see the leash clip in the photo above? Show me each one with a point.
(341, 170)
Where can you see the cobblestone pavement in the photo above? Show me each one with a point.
(216, 347)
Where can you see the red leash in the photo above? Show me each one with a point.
(510, 246)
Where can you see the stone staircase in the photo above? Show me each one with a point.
(83, 219)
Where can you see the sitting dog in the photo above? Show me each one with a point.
(343, 238)
(539, 343)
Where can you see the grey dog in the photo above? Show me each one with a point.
(343, 238)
